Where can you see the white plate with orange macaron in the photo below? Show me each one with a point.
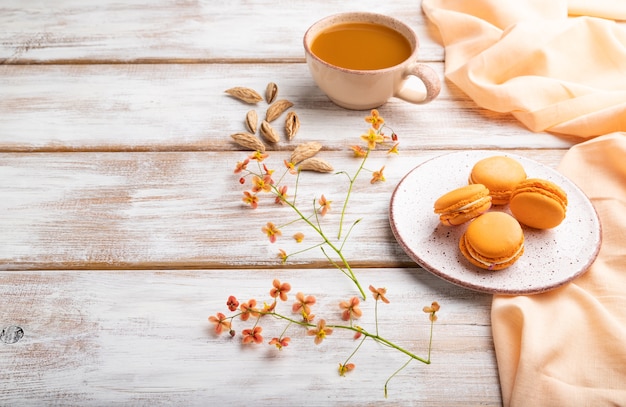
(551, 256)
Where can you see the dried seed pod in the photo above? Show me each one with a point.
(304, 151)
(244, 94)
(268, 132)
(248, 141)
(271, 92)
(292, 124)
(315, 164)
(276, 109)
(252, 119)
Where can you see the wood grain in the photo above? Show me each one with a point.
(184, 210)
(122, 227)
(184, 108)
(142, 338)
(141, 31)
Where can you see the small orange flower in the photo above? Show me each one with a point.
(379, 294)
(281, 196)
(267, 308)
(307, 317)
(372, 138)
(232, 303)
(378, 176)
(280, 290)
(250, 199)
(280, 343)
(358, 333)
(394, 149)
(261, 184)
(320, 332)
(258, 156)
(220, 321)
(267, 170)
(345, 368)
(282, 255)
(324, 205)
(375, 119)
(359, 151)
(303, 304)
(252, 335)
(350, 309)
(241, 165)
(299, 237)
(432, 310)
(248, 309)
(271, 231)
(291, 167)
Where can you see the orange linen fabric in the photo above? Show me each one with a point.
(555, 65)
(567, 347)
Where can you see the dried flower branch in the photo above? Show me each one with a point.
(319, 328)
(266, 180)
(304, 158)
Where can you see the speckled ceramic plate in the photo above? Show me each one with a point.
(552, 257)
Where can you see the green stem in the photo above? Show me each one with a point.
(395, 373)
(355, 350)
(430, 340)
(334, 263)
(430, 346)
(349, 231)
(345, 203)
(375, 337)
(319, 231)
(306, 250)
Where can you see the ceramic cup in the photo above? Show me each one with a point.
(367, 89)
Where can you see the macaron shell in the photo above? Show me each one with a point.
(458, 218)
(471, 255)
(460, 197)
(495, 238)
(465, 252)
(537, 209)
(462, 204)
(500, 174)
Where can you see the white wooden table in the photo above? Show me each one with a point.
(122, 227)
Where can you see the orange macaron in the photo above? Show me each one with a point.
(500, 174)
(462, 204)
(493, 241)
(538, 203)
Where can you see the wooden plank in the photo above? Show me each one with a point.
(142, 31)
(142, 338)
(184, 108)
(185, 210)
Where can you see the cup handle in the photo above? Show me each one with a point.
(431, 81)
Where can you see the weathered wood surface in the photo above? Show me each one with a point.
(183, 107)
(185, 210)
(142, 31)
(122, 227)
(128, 337)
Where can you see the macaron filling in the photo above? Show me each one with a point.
(474, 204)
(493, 241)
(492, 264)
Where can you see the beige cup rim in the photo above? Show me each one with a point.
(362, 16)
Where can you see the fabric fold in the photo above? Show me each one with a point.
(557, 66)
(567, 347)
(531, 60)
